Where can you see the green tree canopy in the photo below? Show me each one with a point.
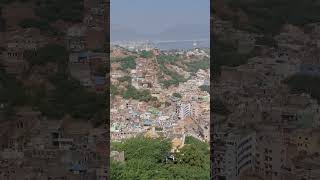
(178, 95)
(145, 159)
(128, 62)
(146, 54)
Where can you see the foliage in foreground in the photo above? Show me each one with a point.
(145, 159)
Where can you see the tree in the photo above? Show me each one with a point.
(205, 88)
(116, 170)
(146, 54)
(132, 92)
(145, 159)
(128, 62)
(177, 95)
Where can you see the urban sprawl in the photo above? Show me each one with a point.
(173, 102)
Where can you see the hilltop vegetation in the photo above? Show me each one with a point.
(141, 95)
(127, 62)
(146, 54)
(175, 77)
(200, 64)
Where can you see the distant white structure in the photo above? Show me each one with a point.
(188, 110)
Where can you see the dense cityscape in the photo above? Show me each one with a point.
(160, 95)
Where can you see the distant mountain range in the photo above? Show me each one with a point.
(179, 32)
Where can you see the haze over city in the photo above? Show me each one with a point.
(151, 20)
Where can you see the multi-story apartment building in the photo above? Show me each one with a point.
(188, 110)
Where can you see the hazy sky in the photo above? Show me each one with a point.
(153, 16)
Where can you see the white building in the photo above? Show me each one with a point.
(188, 110)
